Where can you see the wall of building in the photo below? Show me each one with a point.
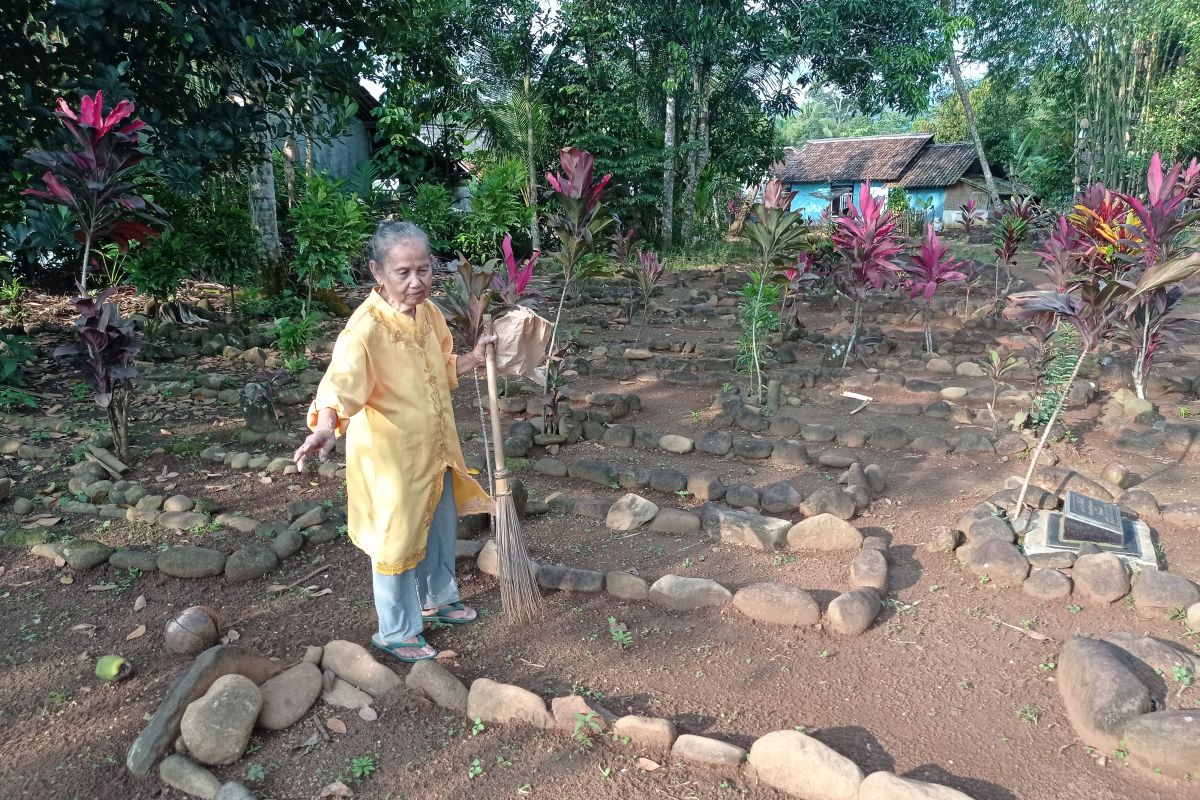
(810, 206)
(958, 194)
(937, 196)
(339, 157)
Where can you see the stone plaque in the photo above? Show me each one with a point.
(1086, 519)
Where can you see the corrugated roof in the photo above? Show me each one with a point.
(875, 158)
(938, 165)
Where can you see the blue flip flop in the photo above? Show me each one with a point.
(457, 606)
(391, 649)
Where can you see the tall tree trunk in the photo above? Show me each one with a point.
(668, 199)
(691, 181)
(961, 87)
(535, 237)
(265, 223)
(289, 169)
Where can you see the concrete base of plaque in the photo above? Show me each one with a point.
(1046, 535)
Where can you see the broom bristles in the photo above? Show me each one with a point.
(520, 596)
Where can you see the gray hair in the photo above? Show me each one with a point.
(392, 232)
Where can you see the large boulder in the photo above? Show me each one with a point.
(799, 765)
(1101, 577)
(853, 612)
(743, 528)
(490, 701)
(679, 593)
(1156, 592)
(886, 786)
(216, 728)
(1001, 562)
(433, 681)
(824, 532)
(354, 664)
(777, 604)
(1102, 694)
(288, 696)
(1166, 740)
(630, 512)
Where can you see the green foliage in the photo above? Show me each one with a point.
(362, 768)
(760, 316)
(496, 210)
(1059, 354)
(11, 295)
(620, 636)
(826, 115)
(292, 337)
(157, 267)
(431, 207)
(331, 228)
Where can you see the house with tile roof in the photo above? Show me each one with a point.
(826, 174)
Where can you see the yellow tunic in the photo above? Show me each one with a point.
(389, 382)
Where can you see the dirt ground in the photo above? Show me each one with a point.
(938, 689)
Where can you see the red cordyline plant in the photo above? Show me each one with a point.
(512, 285)
(868, 241)
(104, 355)
(796, 281)
(647, 273)
(92, 177)
(1151, 328)
(1091, 293)
(778, 232)
(578, 221)
(970, 216)
(1010, 232)
(931, 268)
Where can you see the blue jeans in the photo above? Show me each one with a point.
(399, 599)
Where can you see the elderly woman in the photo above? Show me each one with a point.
(387, 390)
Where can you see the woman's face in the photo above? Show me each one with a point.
(406, 274)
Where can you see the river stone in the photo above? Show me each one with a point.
(838, 458)
(974, 442)
(178, 503)
(889, 437)
(777, 604)
(234, 791)
(784, 426)
(142, 560)
(667, 480)
(706, 751)
(625, 586)
(630, 512)
(1047, 585)
(676, 522)
(1001, 561)
(853, 612)
(287, 544)
(250, 562)
(354, 664)
(869, 568)
(1101, 577)
(649, 732)
(343, 694)
(593, 471)
(789, 454)
(569, 579)
(288, 696)
(551, 467)
(743, 528)
(618, 436)
(780, 498)
(1157, 591)
(180, 772)
(216, 728)
(829, 500)
(85, 553)
(742, 495)
(679, 593)
(1100, 692)
(676, 444)
(824, 532)
(430, 679)
(567, 710)
(753, 449)
(189, 561)
(801, 766)
(931, 445)
(1167, 740)
(182, 521)
(717, 443)
(818, 433)
(886, 786)
(705, 486)
(990, 527)
(490, 701)
(942, 540)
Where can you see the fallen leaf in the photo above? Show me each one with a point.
(277, 587)
(445, 655)
(85, 627)
(66, 580)
(336, 725)
(367, 713)
(230, 636)
(165, 432)
(137, 632)
(140, 603)
(42, 521)
(646, 765)
(170, 486)
(321, 593)
(102, 587)
(311, 741)
(219, 488)
(336, 789)
(54, 409)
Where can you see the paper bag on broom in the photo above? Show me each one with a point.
(521, 340)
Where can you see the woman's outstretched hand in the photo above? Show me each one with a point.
(318, 443)
(481, 345)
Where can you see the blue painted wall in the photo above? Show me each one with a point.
(810, 206)
(938, 196)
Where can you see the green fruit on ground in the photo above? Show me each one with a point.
(113, 668)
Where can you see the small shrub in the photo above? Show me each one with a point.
(496, 209)
(331, 229)
(292, 337)
(432, 207)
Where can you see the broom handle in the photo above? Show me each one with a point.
(497, 430)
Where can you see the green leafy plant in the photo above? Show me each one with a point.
(475, 770)
(465, 300)
(292, 337)
(996, 367)
(1030, 714)
(478, 727)
(157, 267)
(586, 725)
(497, 209)
(759, 318)
(11, 295)
(621, 637)
(255, 773)
(432, 208)
(362, 768)
(331, 229)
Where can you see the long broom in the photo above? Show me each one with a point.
(519, 593)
